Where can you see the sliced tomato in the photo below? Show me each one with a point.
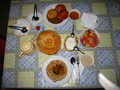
(88, 31)
(92, 45)
(86, 41)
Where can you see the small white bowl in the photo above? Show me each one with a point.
(79, 37)
(75, 10)
(87, 60)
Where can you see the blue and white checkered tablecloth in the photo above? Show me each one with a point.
(26, 72)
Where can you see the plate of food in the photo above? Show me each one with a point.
(48, 42)
(55, 15)
(89, 38)
(56, 70)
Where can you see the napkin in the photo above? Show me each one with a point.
(107, 84)
(89, 20)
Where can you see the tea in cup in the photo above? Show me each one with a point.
(87, 60)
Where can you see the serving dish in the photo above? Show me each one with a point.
(89, 39)
(52, 6)
(45, 73)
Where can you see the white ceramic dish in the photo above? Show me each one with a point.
(23, 22)
(79, 36)
(67, 76)
(75, 11)
(52, 6)
(34, 23)
(91, 63)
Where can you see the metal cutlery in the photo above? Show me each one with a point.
(35, 16)
(22, 29)
(77, 49)
(72, 34)
(77, 59)
(72, 61)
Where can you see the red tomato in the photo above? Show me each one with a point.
(60, 7)
(62, 14)
(86, 41)
(88, 31)
(83, 38)
(92, 45)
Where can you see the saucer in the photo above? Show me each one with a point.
(29, 17)
(22, 22)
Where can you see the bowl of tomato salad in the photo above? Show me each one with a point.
(89, 38)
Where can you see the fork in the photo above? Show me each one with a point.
(77, 59)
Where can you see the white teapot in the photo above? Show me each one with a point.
(27, 47)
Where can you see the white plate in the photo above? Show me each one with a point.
(67, 76)
(23, 22)
(52, 6)
(34, 23)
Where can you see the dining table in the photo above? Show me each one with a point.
(27, 72)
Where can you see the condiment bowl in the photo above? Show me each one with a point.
(74, 14)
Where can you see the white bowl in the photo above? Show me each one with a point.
(75, 11)
(87, 63)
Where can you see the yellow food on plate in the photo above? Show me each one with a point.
(48, 42)
(51, 13)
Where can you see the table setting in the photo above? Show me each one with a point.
(60, 44)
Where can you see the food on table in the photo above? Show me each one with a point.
(89, 39)
(87, 60)
(56, 70)
(63, 14)
(48, 42)
(60, 7)
(70, 42)
(57, 14)
(54, 20)
(38, 28)
(51, 13)
(74, 15)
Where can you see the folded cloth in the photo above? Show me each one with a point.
(89, 21)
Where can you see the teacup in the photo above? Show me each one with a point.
(27, 48)
(87, 60)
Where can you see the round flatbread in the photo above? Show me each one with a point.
(48, 42)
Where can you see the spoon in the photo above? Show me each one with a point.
(77, 49)
(33, 18)
(35, 12)
(72, 60)
(24, 30)
(72, 34)
(36, 18)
